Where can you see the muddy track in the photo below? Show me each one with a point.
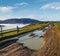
(51, 46)
(16, 49)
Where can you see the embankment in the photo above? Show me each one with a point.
(51, 45)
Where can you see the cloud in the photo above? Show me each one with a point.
(21, 4)
(6, 9)
(54, 5)
(10, 8)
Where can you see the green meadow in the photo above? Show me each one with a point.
(13, 32)
(57, 25)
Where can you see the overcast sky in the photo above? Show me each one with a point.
(36, 9)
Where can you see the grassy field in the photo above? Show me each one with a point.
(57, 25)
(13, 32)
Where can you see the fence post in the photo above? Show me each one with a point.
(17, 29)
(1, 32)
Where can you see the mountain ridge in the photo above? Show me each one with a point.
(19, 20)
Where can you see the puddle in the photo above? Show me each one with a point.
(32, 40)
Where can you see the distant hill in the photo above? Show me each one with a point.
(21, 20)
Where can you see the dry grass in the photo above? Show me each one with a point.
(28, 28)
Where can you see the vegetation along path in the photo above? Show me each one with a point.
(16, 32)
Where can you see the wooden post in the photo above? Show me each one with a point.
(17, 29)
(1, 32)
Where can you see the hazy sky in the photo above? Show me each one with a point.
(37, 9)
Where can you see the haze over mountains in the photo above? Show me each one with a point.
(17, 20)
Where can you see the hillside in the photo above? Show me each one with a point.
(19, 20)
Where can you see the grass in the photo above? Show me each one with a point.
(57, 25)
(31, 27)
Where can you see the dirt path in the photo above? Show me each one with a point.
(51, 45)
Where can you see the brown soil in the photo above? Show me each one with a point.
(51, 46)
(16, 49)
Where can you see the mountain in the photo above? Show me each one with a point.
(21, 20)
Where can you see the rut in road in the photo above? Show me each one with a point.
(51, 45)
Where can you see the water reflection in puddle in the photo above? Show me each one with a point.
(33, 39)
